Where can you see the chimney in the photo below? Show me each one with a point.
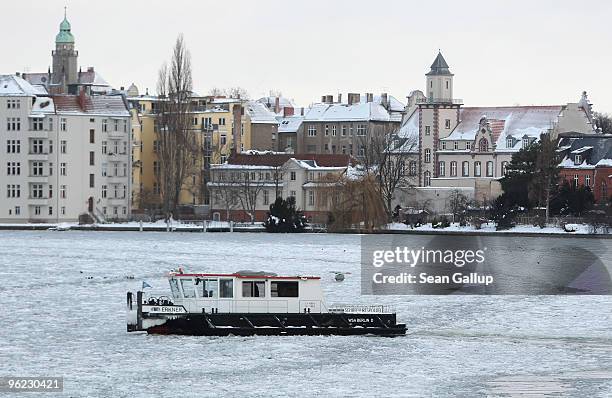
(369, 97)
(237, 114)
(277, 105)
(339, 98)
(322, 99)
(302, 111)
(81, 98)
(384, 100)
(18, 74)
(353, 98)
(330, 99)
(288, 111)
(90, 69)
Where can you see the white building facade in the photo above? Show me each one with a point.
(63, 156)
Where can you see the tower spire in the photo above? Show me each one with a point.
(65, 12)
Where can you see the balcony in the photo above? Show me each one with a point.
(32, 201)
(443, 101)
(38, 133)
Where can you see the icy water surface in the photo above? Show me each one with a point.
(63, 297)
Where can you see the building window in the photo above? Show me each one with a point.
(477, 169)
(441, 169)
(525, 142)
(104, 191)
(266, 197)
(577, 159)
(104, 144)
(413, 168)
(13, 168)
(576, 180)
(468, 145)
(223, 139)
(292, 194)
(427, 179)
(37, 210)
(91, 158)
(427, 130)
(361, 130)
(509, 142)
(91, 181)
(443, 144)
(311, 198)
(50, 146)
(37, 124)
(489, 169)
(156, 168)
(327, 129)
(92, 136)
(63, 210)
(447, 123)
(427, 155)
(37, 168)
(453, 169)
(63, 169)
(13, 124)
(293, 176)
(456, 145)
(63, 146)
(483, 145)
(63, 191)
(587, 180)
(63, 124)
(17, 210)
(504, 166)
(37, 146)
(312, 131)
(221, 121)
(343, 130)
(50, 210)
(156, 146)
(37, 191)
(604, 190)
(334, 130)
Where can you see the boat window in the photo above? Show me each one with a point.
(284, 289)
(208, 288)
(254, 289)
(188, 289)
(226, 288)
(174, 288)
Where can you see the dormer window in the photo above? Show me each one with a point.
(509, 142)
(578, 159)
(525, 142)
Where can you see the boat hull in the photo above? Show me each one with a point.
(266, 324)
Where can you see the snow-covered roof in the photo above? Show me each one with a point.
(408, 134)
(289, 124)
(342, 112)
(270, 102)
(259, 113)
(581, 150)
(43, 105)
(515, 121)
(103, 105)
(15, 86)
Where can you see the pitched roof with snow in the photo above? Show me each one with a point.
(369, 111)
(289, 124)
(103, 105)
(15, 86)
(506, 121)
(595, 151)
(259, 113)
(278, 159)
(408, 135)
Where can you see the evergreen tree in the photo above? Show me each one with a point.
(284, 216)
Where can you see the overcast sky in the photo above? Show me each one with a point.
(501, 52)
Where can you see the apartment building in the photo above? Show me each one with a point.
(65, 156)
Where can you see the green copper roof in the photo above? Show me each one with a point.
(64, 35)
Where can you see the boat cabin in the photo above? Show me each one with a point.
(246, 292)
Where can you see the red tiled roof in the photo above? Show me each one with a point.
(278, 159)
(97, 104)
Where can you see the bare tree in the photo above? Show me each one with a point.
(457, 204)
(225, 189)
(249, 188)
(603, 121)
(237, 92)
(177, 142)
(386, 156)
(148, 201)
(215, 92)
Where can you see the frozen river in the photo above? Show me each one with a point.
(63, 298)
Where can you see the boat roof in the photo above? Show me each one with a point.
(242, 275)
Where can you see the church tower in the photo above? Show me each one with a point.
(65, 71)
(439, 82)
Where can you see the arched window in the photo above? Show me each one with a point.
(427, 155)
(489, 169)
(427, 178)
(604, 191)
(477, 169)
(576, 180)
(453, 170)
(504, 165)
(483, 145)
(466, 169)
